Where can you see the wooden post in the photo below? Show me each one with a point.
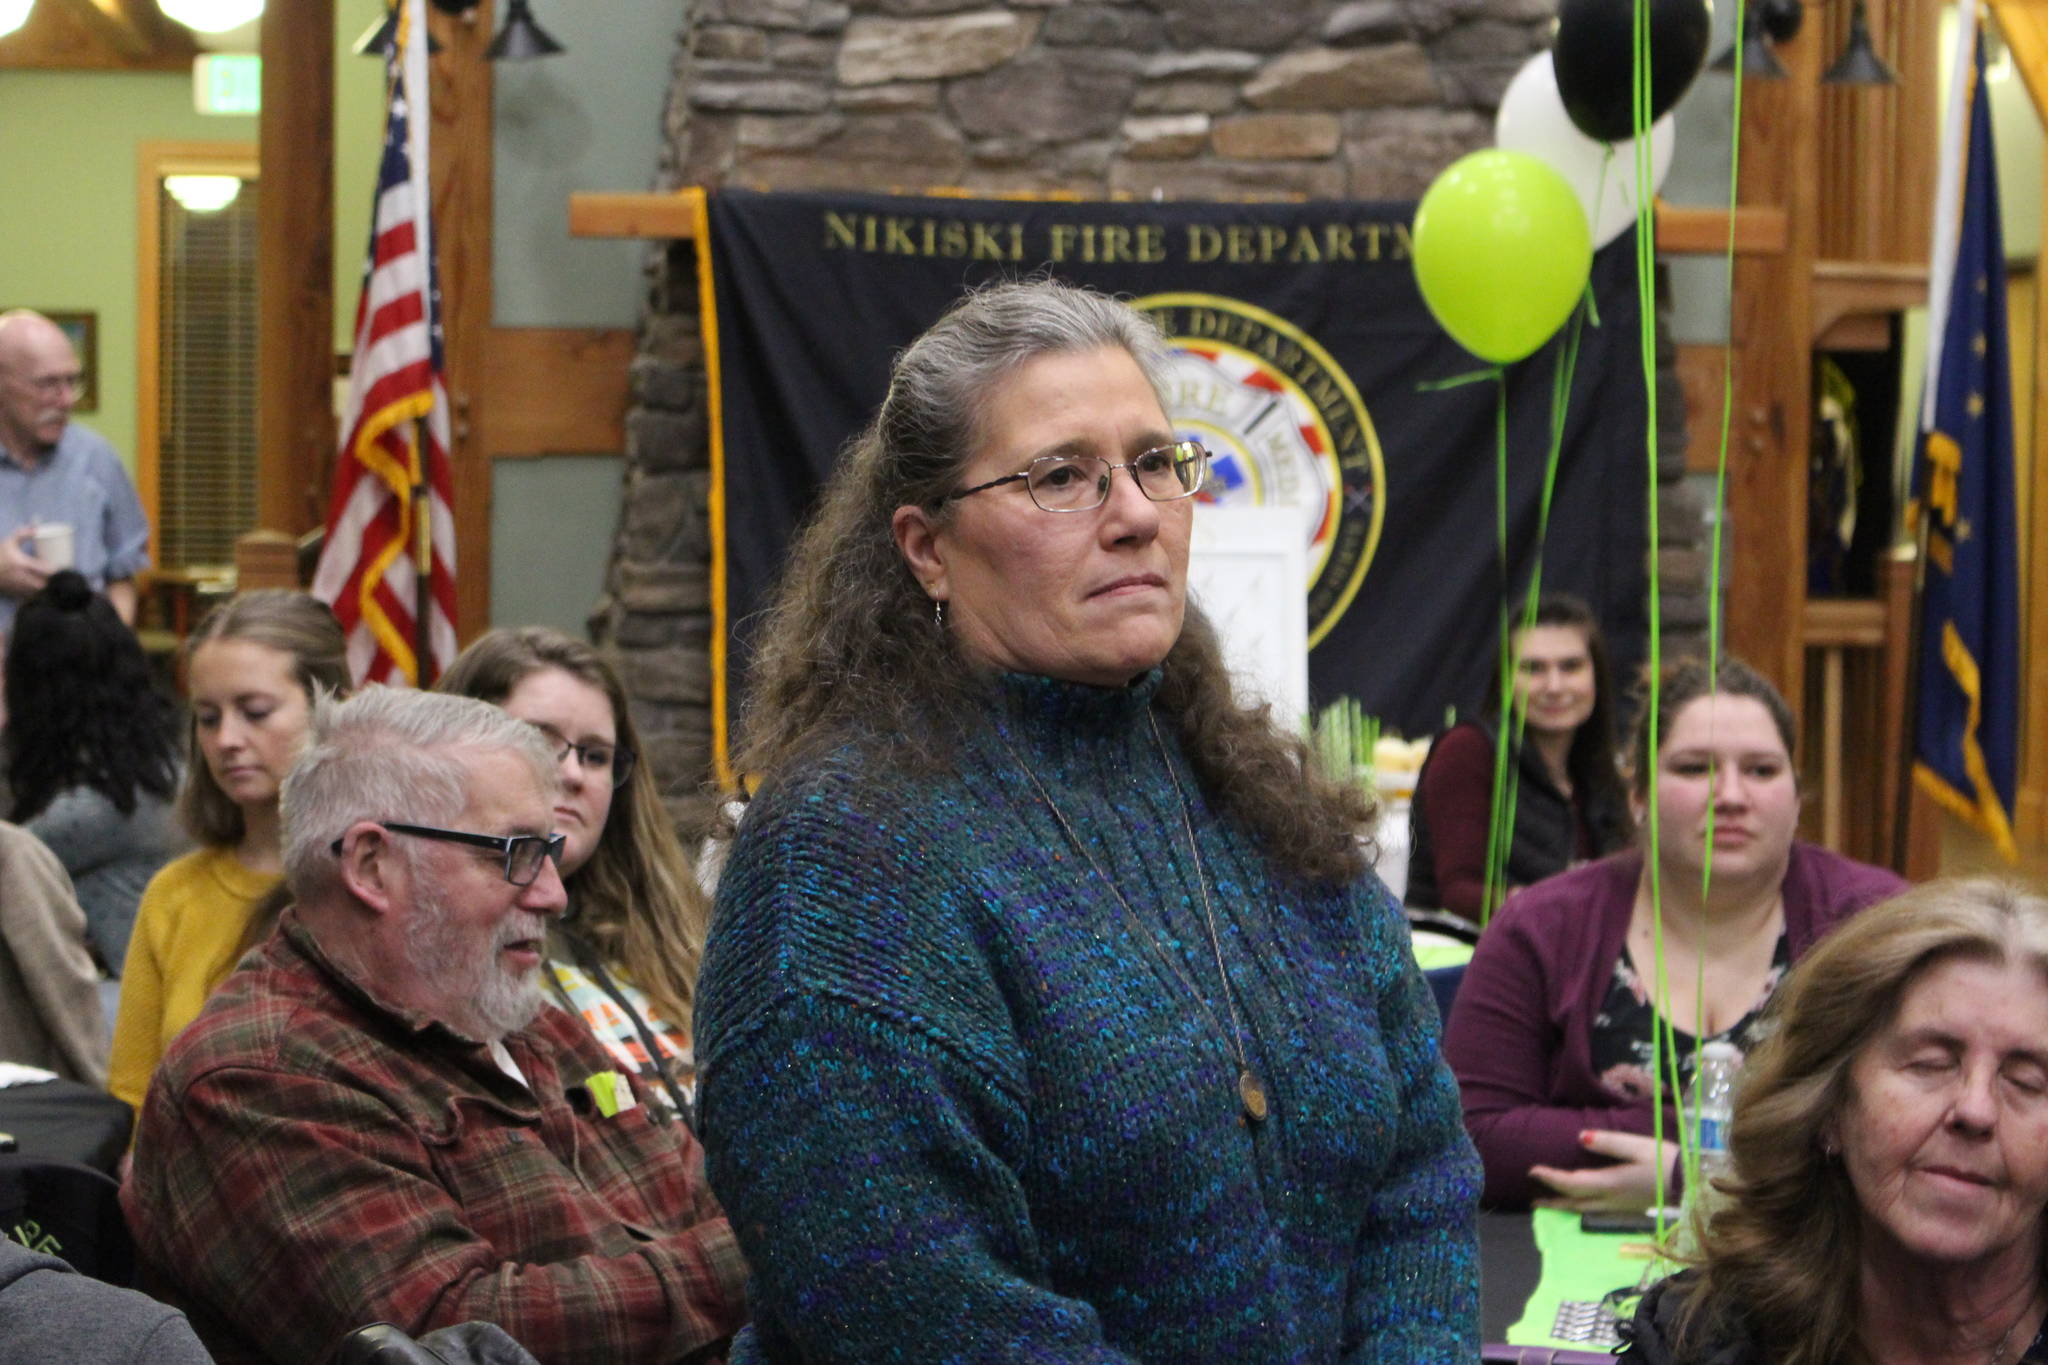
(295, 272)
(1767, 459)
(2030, 802)
(1895, 723)
(461, 153)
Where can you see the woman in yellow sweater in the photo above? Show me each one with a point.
(253, 668)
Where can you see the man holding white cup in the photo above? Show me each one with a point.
(65, 499)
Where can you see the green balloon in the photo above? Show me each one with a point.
(1502, 252)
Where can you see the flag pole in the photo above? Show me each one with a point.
(415, 47)
(423, 566)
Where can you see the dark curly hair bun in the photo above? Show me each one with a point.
(68, 589)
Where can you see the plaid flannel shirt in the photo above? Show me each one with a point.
(311, 1159)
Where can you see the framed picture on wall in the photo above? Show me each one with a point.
(84, 330)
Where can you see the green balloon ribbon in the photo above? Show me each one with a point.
(1501, 820)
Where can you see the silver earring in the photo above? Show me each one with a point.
(938, 613)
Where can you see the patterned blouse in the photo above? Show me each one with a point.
(1622, 1050)
(583, 995)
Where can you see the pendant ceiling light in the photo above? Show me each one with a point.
(1859, 63)
(211, 16)
(13, 14)
(520, 39)
(1762, 24)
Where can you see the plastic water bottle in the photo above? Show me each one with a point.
(1712, 1104)
(1709, 1106)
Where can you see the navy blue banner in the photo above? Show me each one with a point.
(1302, 345)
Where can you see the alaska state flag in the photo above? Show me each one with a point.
(1966, 723)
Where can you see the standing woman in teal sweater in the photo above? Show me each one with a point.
(1051, 1011)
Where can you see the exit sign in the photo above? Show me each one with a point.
(227, 83)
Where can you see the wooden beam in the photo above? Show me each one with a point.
(1680, 231)
(1895, 727)
(1700, 372)
(1759, 230)
(96, 35)
(1857, 332)
(295, 269)
(1845, 289)
(1767, 459)
(629, 215)
(1845, 623)
(2030, 814)
(461, 151)
(555, 391)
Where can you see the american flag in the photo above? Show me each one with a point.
(391, 519)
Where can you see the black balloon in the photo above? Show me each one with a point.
(1595, 59)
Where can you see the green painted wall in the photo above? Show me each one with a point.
(589, 119)
(77, 249)
(358, 142)
(67, 172)
(551, 536)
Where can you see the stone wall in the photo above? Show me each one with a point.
(1367, 99)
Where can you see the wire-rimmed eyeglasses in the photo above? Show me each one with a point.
(1080, 483)
(524, 853)
(613, 762)
(57, 385)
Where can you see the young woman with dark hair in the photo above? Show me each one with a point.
(1569, 803)
(92, 753)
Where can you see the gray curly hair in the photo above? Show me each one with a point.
(847, 646)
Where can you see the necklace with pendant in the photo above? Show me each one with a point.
(2004, 1343)
(1251, 1091)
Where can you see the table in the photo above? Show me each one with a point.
(63, 1120)
(1531, 1262)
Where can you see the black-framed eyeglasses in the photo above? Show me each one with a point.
(612, 761)
(1080, 483)
(523, 852)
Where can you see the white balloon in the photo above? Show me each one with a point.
(1532, 119)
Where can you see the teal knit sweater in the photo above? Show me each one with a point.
(959, 1109)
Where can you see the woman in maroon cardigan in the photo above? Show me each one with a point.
(1550, 1034)
(1569, 802)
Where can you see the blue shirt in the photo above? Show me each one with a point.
(82, 484)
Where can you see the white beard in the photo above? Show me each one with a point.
(492, 1002)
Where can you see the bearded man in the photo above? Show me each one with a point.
(379, 1116)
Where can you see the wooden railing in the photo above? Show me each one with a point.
(1857, 741)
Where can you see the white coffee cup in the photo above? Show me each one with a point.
(54, 544)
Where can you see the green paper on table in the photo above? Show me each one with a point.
(1439, 950)
(1578, 1267)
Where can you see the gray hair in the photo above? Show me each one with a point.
(1775, 1247)
(929, 425)
(390, 753)
(849, 634)
(849, 646)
